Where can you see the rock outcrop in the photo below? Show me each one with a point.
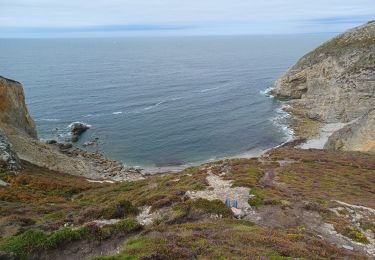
(335, 83)
(77, 129)
(8, 158)
(357, 136)
(14, 113)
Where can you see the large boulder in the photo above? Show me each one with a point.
(8, 158)
(357, 136)
(76, 129)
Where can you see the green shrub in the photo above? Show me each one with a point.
(211, 207)
(33, 241)
(127, 225)
(24, 244)
(121, 209)
(64, 235)
(257, 199)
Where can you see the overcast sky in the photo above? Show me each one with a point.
(23, 18)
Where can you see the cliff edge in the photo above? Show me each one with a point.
(335, 83)
(14, 113)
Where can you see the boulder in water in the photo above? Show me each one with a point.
(76, 129)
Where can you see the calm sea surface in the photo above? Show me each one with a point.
(158, 101)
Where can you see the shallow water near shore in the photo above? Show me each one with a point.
(159, 102)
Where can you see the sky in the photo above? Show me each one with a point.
(81, 18)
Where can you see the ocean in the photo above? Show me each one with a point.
(156, 102)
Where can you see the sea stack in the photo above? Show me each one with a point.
(77, 129)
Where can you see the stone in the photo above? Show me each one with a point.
(8, 158)
(65, 146)
(51, 141)
(238, 213)
(78, 128)
(3, 184)
(8, 256)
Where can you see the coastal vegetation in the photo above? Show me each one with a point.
(42, 210)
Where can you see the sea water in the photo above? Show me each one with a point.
(159, 101)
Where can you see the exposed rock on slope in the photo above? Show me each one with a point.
(357, 136)
(8, 158)
(334, 83)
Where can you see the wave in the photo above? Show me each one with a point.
(208, 89)
(155, 105)
(78, 122)
(48, 119)
(264, 92)
(162, 102)
(92, 115)
(281, 121)
(117, 113)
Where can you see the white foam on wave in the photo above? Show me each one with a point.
(117, 113)
(154, 106)
(162, 102)
(92, 115)
(209, 89)
(281, 121)
(78, 122)
(48, 119)
(264, 92)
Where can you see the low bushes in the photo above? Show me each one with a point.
(211, 207)
(33, 241)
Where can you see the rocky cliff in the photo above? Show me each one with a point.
(18, 140)
(335, 83)
(14, 114)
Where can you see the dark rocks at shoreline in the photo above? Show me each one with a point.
(77, 129)
(51, 141)
(109, 169)
(64, 146)
(93, 142)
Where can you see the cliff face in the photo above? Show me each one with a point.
(13, 111)
(20, 133)
(335, 83)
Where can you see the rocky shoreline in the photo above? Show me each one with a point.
(109, 169)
